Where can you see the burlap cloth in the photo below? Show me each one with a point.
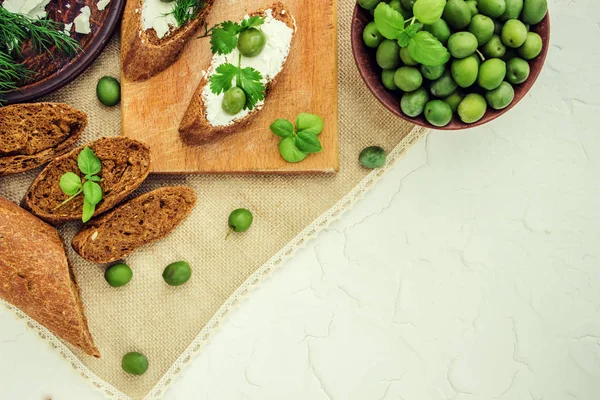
(170, 325)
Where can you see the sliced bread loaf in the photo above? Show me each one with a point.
(36, 277)
(143, 53)
(145, 219)
(203, 121)
(125, 165)
(33, 134)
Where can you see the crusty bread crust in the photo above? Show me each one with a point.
(143, 54)
(125, 165)
(36, 277)
(33, 134)
(145, 219)
(195, 128)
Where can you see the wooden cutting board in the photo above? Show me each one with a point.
(152, 110)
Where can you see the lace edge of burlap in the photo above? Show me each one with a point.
(300, 241)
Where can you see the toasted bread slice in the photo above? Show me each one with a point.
(143, 53)
(33, 134)
(36, 276)
(196, 127)
(125, 165)
(145, 219)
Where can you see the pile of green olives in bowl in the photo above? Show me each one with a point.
(450, 64)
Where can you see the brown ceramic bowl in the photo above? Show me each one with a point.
(54, 70)
(371, 74)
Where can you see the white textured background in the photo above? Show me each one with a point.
(470, 272)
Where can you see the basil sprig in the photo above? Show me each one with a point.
(299, 141)
(72, 184)
(423, 47)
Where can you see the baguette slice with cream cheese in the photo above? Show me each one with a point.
(151, 41)
(204, 119)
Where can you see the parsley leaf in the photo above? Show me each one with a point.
(221, 81)
(250, 81)
(252, 22)
(224, 37)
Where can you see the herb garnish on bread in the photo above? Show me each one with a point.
(155, 32)
(208, 116)
(125, 165)
(33, 134)
(145, 219)
(36, 277)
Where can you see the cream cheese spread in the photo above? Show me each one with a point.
(269, 63)
(158, 16)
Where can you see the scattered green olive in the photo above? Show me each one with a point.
(118, 275)
(251, 42)
(108, 91)
(177, 273)
(134, 363)
(373, 157)
(240, 220)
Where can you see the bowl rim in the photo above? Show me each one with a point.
(356, 41)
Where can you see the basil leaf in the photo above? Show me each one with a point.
(290, 151)
(93, 178)
(425, 49)
(409, 32)
(282, 127)
(308, 142)
(389, 22)
(428, 11)
(92, 192)
(88, 163)
(70, 183)
(309, 123)
(88, 211)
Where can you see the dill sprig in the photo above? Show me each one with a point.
(16, 29)
(186, 10)
(11, 73)
(43, 33)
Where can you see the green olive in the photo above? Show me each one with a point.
(118, 275)
(234, 101)
(134, 363)
(177, 273)
(240, 220)
(251, 42)
(373, 157)
(371, 35)
(108, 91)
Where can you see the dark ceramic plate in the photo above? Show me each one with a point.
(371, 74)
(54, 70)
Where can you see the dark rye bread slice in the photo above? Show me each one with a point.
(143, 53)
(125, 165)
(145, 219)
(194, 127)
(33, 134)
(36, 277)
